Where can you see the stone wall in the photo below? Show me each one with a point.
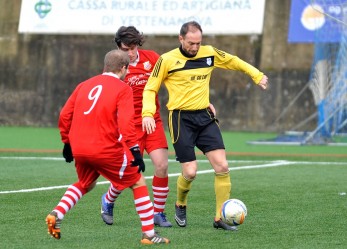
(38, 72)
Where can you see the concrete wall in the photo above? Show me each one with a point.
(38, 72)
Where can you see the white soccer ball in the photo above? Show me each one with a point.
(233, 212)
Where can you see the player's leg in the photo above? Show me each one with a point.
(108, 200)
(121, 175)
(222, 184)
(183, 138)
(222, 180)
(87, 179)
(184, 184)
(107, 204)
(184, 181)
(144, 209)
(68, 201)
(160, 186)
(210, 142)
(156, 146)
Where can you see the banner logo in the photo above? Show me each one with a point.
(42, 8)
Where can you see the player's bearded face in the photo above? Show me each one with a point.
(191, 42)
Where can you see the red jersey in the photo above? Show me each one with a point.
(98, 114)
(138, 74)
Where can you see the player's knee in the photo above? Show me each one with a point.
(189, 176)
(84, 187)
(161, 170)
(140, 182)
(221, 168)
(91, 186)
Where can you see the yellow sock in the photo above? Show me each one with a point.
(183, 187)
(222, 188)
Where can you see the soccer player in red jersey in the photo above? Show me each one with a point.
(129, 39)
(97, 128)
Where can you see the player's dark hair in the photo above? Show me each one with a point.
(129, 36)
(189, 25)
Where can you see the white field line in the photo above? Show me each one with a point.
(62, 159)
(263, 164)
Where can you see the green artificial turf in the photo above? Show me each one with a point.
(296, 198)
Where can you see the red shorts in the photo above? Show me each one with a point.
(117, 170)
(150, 142)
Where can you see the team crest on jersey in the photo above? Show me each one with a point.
(209, 61)
(147, 65)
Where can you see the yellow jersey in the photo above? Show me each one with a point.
(188, 79)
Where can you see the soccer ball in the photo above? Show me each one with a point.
(233, 212)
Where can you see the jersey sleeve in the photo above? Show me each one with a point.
(125, 117)
(152, 87)
(232, 62)
(66, 115)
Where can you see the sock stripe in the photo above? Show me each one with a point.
(142, 199)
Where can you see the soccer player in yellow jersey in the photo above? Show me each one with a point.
(186, 73)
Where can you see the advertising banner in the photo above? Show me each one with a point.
(162, 17)
(319, 20)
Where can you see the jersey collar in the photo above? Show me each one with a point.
(111, 74)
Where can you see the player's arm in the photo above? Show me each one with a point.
(263, 82)
(125, 117)
(212, 109)
(148, 103)
(232, 62)
(251, 71)
(65, 116)
(150, 91)
(64, 124)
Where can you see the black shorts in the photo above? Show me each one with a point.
(194, 128)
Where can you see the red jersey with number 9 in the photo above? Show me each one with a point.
(97, 115)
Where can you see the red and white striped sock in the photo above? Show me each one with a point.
(72, 195)
(144, 209)
(112, 194)
(160, 189)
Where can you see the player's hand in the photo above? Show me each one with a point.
(212, 109)
(148, 124)
(263, 82)
(67, 153)
(138, 160)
